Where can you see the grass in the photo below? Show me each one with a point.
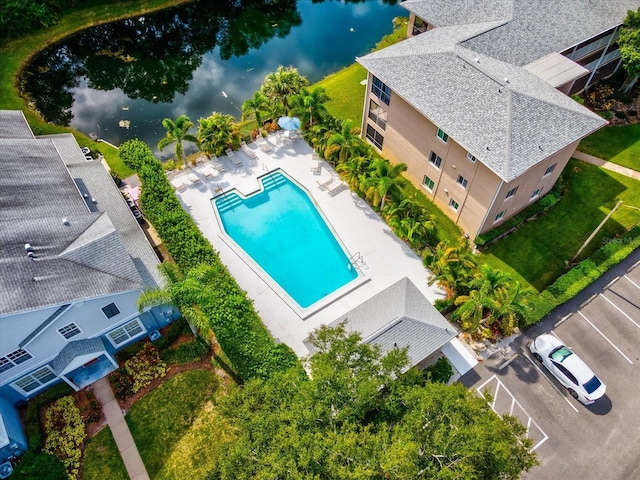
(17, 53)
(177, 429)
(617, 144)
(102, 459)
(536, 254)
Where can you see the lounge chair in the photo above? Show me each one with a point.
(215, 163)
(326, 184)
(193, 177)
(316, 167)
(234, 158)
(179, 186)
(208, 171)
(264, 145)
(333, 190)
(248, 151)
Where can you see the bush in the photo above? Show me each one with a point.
(32, 416)
(440, 372)
(600, 97)
(145, 367)
(187, 352)
(39, 466)
(64, 434)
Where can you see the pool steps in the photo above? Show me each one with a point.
(232, 200)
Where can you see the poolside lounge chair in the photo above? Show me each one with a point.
(339, 186)
(193, 177)
(208, 171)
(248, 151)
(234, 158)
(264, 145)
(316, 166)
(215, 163)
(179, 186)
(326, 184)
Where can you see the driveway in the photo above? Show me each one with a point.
(600, 441)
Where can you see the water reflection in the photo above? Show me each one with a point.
(117, 81)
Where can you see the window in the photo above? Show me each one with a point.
(462, 181)
(36, 379)
(442, 136)
(377, 114)
(471, 158)
(375, 137)
(566, 373)
(511, 192)
(111, 310)
(381, 91)
(499, 216)
(127, 331)
(454, 205)
(428, 183)
(550, 169)
(69, 331)
(14, 358)
(435, 160)
(536, 193)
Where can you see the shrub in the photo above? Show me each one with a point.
(187, 352)
(600, 97)
(39, 466)
(145, 367)
(32, 415)
(440, 372)
(64, 434)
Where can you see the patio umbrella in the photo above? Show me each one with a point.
(289, 123)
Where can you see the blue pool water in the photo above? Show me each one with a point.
(284, 233)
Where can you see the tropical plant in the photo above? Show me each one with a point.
(384, 180)
(344, 143)
(254, 107)
(474, 307)
(512, 306)
(451, 266)
(354, 171)
(309, 105)
(177, 132)
(218, 132)
(282, 85)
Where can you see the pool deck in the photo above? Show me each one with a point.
(360, 230)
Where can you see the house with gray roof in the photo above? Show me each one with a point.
(475, 101)
(73, 263)
(400, 316)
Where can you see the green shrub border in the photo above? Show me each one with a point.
(239, 330)
(545, 204)
(34, 407)
(582, 275)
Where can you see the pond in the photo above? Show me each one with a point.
(118, 81)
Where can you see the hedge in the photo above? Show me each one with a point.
(241, 334)
(582, 275)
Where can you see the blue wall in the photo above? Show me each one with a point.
(17, 438)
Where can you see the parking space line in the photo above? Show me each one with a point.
(618, 308)
(562, 320)
(606, 338)
(611, 283)
(634, 283)
(514, 403)
(634, 266)
(551, 383)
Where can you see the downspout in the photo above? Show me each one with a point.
(490, 207)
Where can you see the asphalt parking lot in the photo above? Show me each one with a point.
(573, 441)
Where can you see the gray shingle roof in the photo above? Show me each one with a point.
(75, 349)
(509, 126)
(99, 251)
(14, 125)
(529, 29)
(399, 316)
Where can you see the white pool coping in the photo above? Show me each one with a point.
(385, 258)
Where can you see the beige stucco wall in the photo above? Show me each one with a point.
(410, 138)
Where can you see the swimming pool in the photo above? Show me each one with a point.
(281, 229)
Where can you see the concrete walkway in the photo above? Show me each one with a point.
(614, 167)
(120, 430)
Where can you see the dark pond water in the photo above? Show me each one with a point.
(118, 81)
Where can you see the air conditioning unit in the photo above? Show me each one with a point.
(155, 335)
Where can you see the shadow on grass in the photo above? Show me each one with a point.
(620, 144)
(538, 251)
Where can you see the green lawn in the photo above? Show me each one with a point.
(346, 92)
(536, 253)
(177, 429)
(619, 144)
(101, 458)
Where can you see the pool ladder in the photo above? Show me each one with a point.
(357, 260)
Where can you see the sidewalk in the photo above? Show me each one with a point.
(120, 430)
(627, 172)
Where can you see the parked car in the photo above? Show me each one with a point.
(568, 368)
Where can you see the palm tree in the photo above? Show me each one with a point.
(218, 132)
(255, 107)
(343, 144)
(188, 294)
(309, 105)
(512, 305)
(450, 266)
(385, 180)
(353, 170)
(283, 84)
(177, 133)
(492, 277)
(474, 307)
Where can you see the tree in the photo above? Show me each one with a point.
(343, 144)
(282, 85)
(629, 42)
(451, 266)
(177, 133)
(512, 305)
(309, 105)
(255, 107)
(474, 307)
(218, 132)
(385, 180)
(353, 171)
(358, 417)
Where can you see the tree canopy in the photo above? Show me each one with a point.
(629, 42)
(358, 417)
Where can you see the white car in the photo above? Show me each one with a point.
(568, 368)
